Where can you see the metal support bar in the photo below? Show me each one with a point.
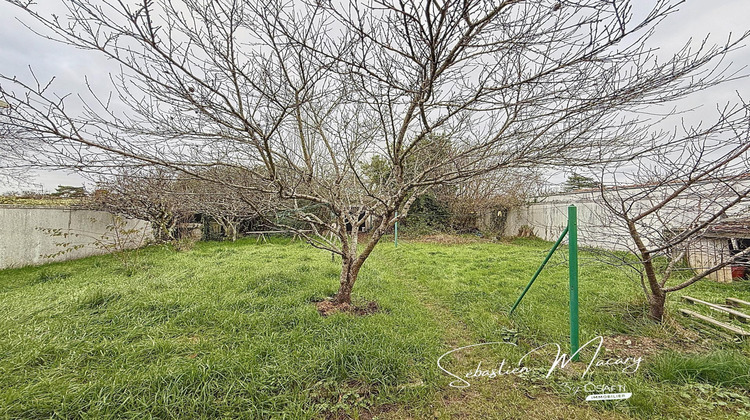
(549, 255)
(395, 231)
(572, 231)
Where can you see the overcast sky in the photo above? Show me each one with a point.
(20, 48)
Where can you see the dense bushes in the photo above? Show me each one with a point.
(434, 213)
(428, 213)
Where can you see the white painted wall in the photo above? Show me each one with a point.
(23, 242)
(548, 217)
(599, 228)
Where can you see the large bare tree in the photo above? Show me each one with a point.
(302, 93)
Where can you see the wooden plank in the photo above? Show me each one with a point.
(740, 316)
(731, 328)
(737, 302)
(263, 232)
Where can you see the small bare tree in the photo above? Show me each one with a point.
(489, 194)
(227, 206)
(670, 203)
(147, 194)
(301, 94)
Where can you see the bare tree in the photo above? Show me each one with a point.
(10, 153)
(492, 194)
(146, 194)
(227, 206)
(301, 95)
(672, 204)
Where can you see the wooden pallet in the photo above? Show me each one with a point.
(740, 316)
(729, 328)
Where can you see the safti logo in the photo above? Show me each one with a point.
(599, 392)
(606, 397)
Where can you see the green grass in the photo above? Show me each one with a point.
(720, 368)
(228, 330)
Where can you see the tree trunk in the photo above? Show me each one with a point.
(656, 303)
(233, 231)
(162, 231)
(657, 298)
(351, 262)
(349, 272)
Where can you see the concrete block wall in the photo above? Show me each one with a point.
(599, 228)
(548, 217)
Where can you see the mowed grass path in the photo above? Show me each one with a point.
(228, 330)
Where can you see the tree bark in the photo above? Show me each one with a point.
(349, 271)
(657, 298)
(656, 306)
(351, 261)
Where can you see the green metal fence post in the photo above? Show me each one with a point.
(395, 231)
(573, 272)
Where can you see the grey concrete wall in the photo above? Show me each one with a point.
(598, 227)
(548, 217)
(26, 236)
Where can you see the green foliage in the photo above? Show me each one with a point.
(223, 330)
(577, 181)
(428, 212)
(723, 367)
(68, 191)
(185, 243)
(377, 170)
(711, 398)
(39, 200)
(46, 276)
(434, 147)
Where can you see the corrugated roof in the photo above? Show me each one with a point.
(735, 228)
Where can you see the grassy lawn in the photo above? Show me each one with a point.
(229, 330)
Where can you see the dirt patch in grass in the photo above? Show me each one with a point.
(378, 412)
(633, 346)
(677, 338)
(497, 399)
(327, 307)
(374, 413)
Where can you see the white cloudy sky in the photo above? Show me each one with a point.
(20, 48)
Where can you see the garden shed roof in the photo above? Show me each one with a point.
(730, 228)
